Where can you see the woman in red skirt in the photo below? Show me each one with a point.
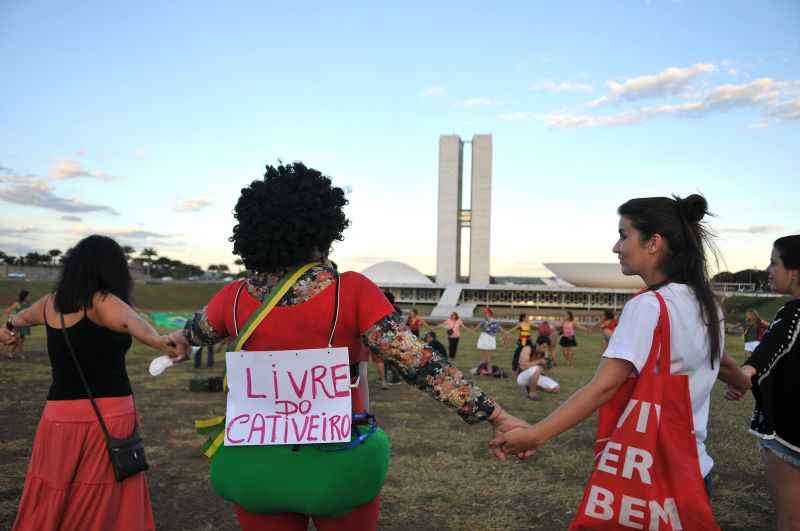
(288, 219)
(70, 483)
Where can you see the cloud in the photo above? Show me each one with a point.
(20, 179)
(81, 153)
(434, 91)
(22, 231)
(520, 116)
(479, 102)
(192, 205)
(42, 196)
(733, 71)
(71, 218)
(140, 153)
(555, 87)
(137, 234)
(764, 93)
(759, 125)
(5, 169)
(671, 81)
(756, 229)
(134, 234)
(788, 110)
(69, 169)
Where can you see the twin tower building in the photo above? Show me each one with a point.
(453, 215)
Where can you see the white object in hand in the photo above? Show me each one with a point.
(160, 364)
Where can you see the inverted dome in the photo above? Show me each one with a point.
(394, 273)
(587, 275)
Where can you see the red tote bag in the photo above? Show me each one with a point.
(647, 472)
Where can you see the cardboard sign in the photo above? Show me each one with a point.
(288, 397)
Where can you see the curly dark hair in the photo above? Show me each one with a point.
(284, 219)
(95, 264)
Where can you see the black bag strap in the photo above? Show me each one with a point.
(83, 377)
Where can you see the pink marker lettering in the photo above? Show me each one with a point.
(257, 426)
(317, 374)
(233, 421)
(250, 386)
(298, 391)
(335, 377)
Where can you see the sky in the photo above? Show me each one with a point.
(143, 120)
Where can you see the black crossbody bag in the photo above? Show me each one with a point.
(127, 454)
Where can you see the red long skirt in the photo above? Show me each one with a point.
(70, 484)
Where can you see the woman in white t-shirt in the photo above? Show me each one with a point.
(663, 241)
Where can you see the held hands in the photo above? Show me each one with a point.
(522, 441)
(7, 337)
(176, 346)
(733, 392)
(503, 424)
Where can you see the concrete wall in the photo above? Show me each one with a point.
(51, 273)
(448, 246)
(480, 231)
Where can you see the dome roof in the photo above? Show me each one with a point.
(395, 273)
(585, 275)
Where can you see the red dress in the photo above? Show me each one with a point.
(70, 483)
(304, 326)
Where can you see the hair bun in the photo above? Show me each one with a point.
(693, 208)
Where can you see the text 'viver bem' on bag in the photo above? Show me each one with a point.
(126, 454)
(647, 470)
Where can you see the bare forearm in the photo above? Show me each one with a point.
(29, 316)
(577, 408)
(142, 330)
(731, 374)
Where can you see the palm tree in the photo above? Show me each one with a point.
(148, 253)
(128, 250)
(54, 253)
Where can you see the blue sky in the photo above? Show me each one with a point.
(144, 120)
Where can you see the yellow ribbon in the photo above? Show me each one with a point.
(218, 423)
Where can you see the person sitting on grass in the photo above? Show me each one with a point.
(434, 344)
(532, 364)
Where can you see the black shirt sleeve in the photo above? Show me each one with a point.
(776, 340)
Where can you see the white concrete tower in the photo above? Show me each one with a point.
(481, 210)
(448, 242)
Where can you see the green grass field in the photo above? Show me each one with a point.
(441, 474)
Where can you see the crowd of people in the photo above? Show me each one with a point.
(303, 302)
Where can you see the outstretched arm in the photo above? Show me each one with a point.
(610, 375)
(32, 315)
(115, 314)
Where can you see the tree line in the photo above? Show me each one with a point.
(147, 260)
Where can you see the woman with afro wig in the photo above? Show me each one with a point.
(289, 218)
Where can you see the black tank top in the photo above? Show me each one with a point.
(101, 353)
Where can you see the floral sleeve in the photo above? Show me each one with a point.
(198, 330)
(427, 370)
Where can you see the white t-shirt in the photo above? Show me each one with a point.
(689, 345)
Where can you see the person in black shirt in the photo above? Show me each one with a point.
(774, 369)
(88, 316)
